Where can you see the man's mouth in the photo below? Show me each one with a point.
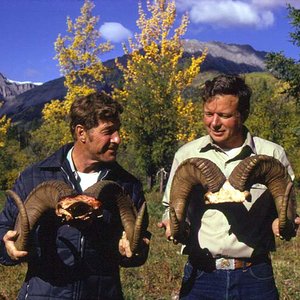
(217, 133)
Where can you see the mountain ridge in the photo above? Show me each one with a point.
(221, 57)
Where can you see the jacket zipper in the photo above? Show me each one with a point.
(27, 288)
(68, 177)
(82, 240)
(81, 246)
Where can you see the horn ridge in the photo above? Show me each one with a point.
(111, 193)
(271, 172)
(189, 173)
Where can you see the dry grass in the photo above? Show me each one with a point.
(160, 277)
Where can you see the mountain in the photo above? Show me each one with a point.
(227, 58)
(28, 105)
(23, 102)
(10, 89)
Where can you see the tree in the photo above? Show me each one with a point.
(156, 115)
(78, 56)
(288, 69)
(269, 100)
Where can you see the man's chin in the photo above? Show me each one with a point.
(110, 157)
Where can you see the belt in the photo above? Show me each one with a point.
(227, 263)
(224, 263)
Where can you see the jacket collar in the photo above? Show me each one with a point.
(57, 159)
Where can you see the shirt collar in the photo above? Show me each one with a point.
(70, 160)
(208, 143)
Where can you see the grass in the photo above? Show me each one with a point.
(160, 277)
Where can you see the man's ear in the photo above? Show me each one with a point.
(80, 133)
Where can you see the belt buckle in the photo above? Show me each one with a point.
(225, 263)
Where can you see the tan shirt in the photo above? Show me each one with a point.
(233, 230)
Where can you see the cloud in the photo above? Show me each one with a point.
(228, 13)
(114, 32)
(275, 3)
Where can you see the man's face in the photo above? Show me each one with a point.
(103, 141)
(223, 122)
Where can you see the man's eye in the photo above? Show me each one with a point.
(225, 116)
(208, 114)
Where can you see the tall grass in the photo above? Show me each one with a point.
(160, 277)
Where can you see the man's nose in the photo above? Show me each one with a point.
(115, 137)
(215, 120)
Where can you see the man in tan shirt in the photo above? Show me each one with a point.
(229, 244)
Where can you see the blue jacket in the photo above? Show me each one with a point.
(66, 262)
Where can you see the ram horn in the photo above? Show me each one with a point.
(269, 171)
(41, 199)
(133, 222)
(190, 172)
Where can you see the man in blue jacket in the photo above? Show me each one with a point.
(69, 262)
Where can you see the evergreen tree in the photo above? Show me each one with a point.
(288, 69)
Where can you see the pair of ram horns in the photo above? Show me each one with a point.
(54, 195)
(261, 169)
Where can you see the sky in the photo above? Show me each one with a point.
(29, 29)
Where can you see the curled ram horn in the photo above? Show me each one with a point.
(191, 172)
(133, 222)
(269, 171)
(41, 199)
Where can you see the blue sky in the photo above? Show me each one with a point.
(29, 28)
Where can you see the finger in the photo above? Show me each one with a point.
(121, 245)
(124, 246)
(16, 255)
(10, 235)
(161, 225)
(146, 241)
(128, 251)
(275, 227)
(13, 252)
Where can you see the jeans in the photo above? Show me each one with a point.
(255, 282)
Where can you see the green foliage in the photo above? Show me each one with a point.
(48, 138)
(13, 160)
(275, 116)
(294, 15)
(288, 69)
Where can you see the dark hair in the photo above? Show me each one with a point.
(89, 110)
(229, 85)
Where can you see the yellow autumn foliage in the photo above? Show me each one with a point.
(159, 60)
(158, 114)
(4, 126)
(78, 56)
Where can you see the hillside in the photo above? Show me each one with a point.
(26, 104)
